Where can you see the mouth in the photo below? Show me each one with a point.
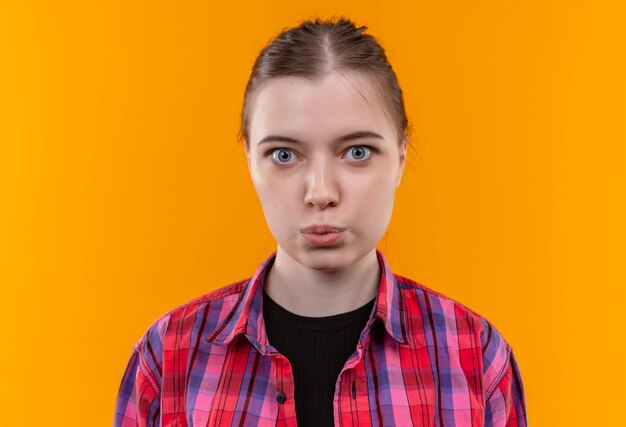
(322, 235)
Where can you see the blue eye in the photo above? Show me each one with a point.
(360, 152)
(283, 156)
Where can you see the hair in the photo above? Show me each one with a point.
(314, 49)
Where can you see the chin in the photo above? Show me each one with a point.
(327, 259)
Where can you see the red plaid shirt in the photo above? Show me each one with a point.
(435, 363)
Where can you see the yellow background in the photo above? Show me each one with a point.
(124, 193)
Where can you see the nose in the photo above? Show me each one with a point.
(322, 187)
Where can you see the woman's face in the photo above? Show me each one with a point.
(324, 153)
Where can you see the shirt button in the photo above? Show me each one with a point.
(280, 397)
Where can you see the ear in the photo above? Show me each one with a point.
(247, 148)
(402, 159)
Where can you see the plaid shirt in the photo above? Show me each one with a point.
(422, 359)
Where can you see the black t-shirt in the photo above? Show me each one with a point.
(317, 348)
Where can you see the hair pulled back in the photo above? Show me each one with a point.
(315, 48)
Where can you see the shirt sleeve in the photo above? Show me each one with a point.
(505, 404)
(138, 398)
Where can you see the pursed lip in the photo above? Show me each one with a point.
(321, 229)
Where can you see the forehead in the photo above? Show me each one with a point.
(337, 103)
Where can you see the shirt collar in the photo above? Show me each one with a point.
(246, 316)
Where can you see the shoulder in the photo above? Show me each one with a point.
(438, 304)
(212, 307)
(470, 329)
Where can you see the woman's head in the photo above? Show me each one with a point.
(315, 48)
(324, 128)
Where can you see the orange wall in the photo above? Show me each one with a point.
(123, 191)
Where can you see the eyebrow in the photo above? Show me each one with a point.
(344, 138)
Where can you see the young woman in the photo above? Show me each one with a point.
(323, 333)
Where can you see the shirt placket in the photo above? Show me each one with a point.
(347, 391)
(283, 391)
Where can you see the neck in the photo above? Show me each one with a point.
(316, 293)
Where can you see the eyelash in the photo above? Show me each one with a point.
(369, 147)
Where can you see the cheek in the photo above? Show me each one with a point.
(371, 200)
(277, 199)
(371, 189)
